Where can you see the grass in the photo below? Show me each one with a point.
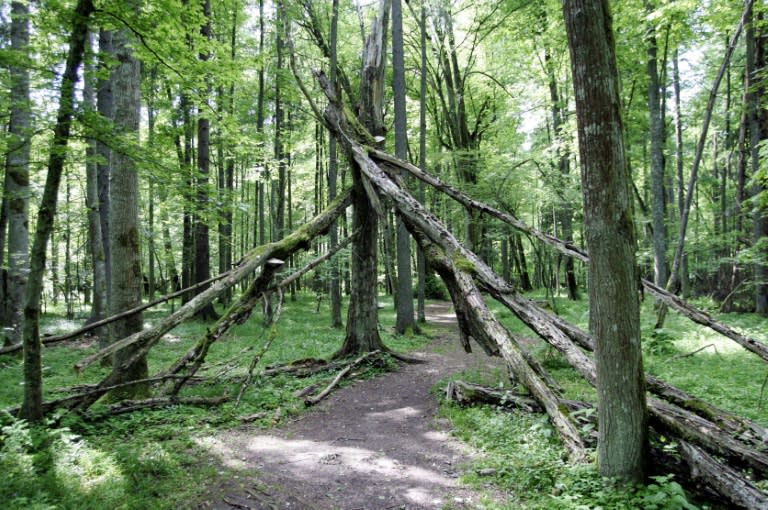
(153, 459)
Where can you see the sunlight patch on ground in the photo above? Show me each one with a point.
(227, 455)
(326, 461)
(400, 414)
(84, 468)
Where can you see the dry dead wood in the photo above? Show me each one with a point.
(425, 226)
(128, 406)
(312, 400)
(706, 475)
(146, 339)
(696, 315)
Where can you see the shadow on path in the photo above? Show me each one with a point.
(377, 444)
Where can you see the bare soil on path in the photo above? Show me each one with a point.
(377, 444)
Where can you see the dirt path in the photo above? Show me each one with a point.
(375, 445)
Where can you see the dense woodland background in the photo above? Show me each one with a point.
(150, 146)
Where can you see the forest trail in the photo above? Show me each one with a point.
(377, 444)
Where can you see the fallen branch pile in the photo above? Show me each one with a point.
(700, 430)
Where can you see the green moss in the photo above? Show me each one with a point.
(462, 263)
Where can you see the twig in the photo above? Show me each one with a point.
(762, 391)
(320, 396)
(679, 356)
(272, 334)
(236, 505)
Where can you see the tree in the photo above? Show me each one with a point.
(658, 195)
(333, 163)
(362, 316)
(100, 303)
(405, 318)
(125, 291)
(17, 176)
(202, 260)
(613, 294)
(33, 380)
(758, 131)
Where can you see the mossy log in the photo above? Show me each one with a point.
(146, 339)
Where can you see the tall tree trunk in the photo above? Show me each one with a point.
(202, 271)
(260, 182)
(758, 130)
(188, 237)
(124, 210)
(333, 164)
(613, 290)
(100, 303)
(405, 321)
(658, 195)
(33, 380)
(17, 177)
(421, 266)
(105, 105)
(362, 316)
(685, 286)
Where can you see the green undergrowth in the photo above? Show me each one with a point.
(521, 452)
(152, 459)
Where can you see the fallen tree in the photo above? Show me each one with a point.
(257, 258)
(460, 269)
(706, 476)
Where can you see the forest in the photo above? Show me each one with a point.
(540, 226)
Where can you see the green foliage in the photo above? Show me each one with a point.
(153, 458)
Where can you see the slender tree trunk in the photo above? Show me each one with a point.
(758, 130)
(613, 292)
(188, 238)
(202, 261)
(658, 195)
(260, 183)
(421, 266)
(16, 190)
(124, 211)
(685, 286)
(33, 380)
(105, 105)
(100, 302)
(405, 321)
(333, 163)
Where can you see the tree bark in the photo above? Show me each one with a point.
(613, 294)
(658, 195)
(16, 191)
(405, 322)
(124, 212)
(362, 315)
(333, 162)
(33, 381)
(100, 303)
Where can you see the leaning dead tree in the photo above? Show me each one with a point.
(268, 258)
(713, 445)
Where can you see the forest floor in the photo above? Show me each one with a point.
(374, 445)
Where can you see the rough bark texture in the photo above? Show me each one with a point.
(17, 177)
(33, 382)
(124, 210)
(362, 315)
(613, 292)
(105, 106)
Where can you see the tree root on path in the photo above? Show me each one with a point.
(370, 357)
